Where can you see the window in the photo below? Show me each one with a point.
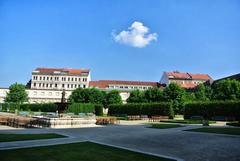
(35, 93)
(56, 85)
(68, 85)
(68, 79)
(62, 85)
(42, 93)
(79, 86)
(49, 93)
(34, 84)
(40, 84)
(50, 85)
(46, 85)
(36, 77)
(47, 78)
(84, 86)
(50, 78)
(43, 84)
(79, 79)
(43, 78)
(72, 79)
(40, 78)
(75, 86)
(71, 85)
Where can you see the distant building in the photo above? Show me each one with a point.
(124, 87)
(232, 77)
(185, 80)
(60, 78)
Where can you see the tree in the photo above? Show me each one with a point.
(87, 95)
(136, 96)
(113, 97)
(175, 94)
(226, 90)
(203, 93)
(154, 95)
(17, 94)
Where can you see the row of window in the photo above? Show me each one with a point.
(57, 78)
(35, 93)
(46, 85)
(129, 87)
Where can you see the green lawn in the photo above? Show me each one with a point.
(186, 121)
(164, 126)
(234, 123)
(85, 151)
(231, 131)
(20, 137)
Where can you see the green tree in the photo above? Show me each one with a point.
(203, 93)
(87, 95)
(226, 90)
(113, 97)
(136, 96)
(17, 94)
(175, 94)
(154, 95)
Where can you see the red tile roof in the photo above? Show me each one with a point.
(106, 83)
(187, 85)
(68, 70)
(180, 75)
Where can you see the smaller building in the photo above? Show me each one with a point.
(124, 87)
(185, 80)
(232, 77)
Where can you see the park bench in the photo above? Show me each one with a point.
(134, 117)
(157, 118)
(3, 120)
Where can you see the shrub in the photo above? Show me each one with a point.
(77, 108)
(164, 109)
(212, 109)
(44, 107)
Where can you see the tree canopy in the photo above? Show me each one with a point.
(113, 97)
(136, 96)
(17, 94)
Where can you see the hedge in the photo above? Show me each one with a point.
(212, 109)
(77, 108)
(44, 107)
(163, 109)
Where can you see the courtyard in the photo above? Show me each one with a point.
(171, 143)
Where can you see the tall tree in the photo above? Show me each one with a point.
(176, 94)
(87, 95)
(113, 97)
(136, 96)
(17, 94)
(226, 90)
(154, 95)
(203, 93)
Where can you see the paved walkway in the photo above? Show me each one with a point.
(190, 146)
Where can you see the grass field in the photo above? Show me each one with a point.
(231, 131)
(164, 126)
(85, 151)
(20, 137)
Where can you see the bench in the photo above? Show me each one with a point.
(134, 117)
(157, 118)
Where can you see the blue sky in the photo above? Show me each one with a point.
(192, 36)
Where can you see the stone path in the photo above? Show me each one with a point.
(190, 146)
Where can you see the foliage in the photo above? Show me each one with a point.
(16, 94)
(230, 131)
(203, 93)
(136, 96)
(212, 109)
(163, 109)
(226, 90)
(164, 126)
(77, 108)
(154, 95)
(44, 107)
(87, 95)
(113, 97)
(175, 94)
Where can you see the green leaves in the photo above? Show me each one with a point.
(17, 94)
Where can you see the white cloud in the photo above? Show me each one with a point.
(137, 35)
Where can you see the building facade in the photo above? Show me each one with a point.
(124, 87)
(185, 80)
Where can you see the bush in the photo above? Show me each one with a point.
(164, 109)
(212, 109)
(44, 107)
(77, 108)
